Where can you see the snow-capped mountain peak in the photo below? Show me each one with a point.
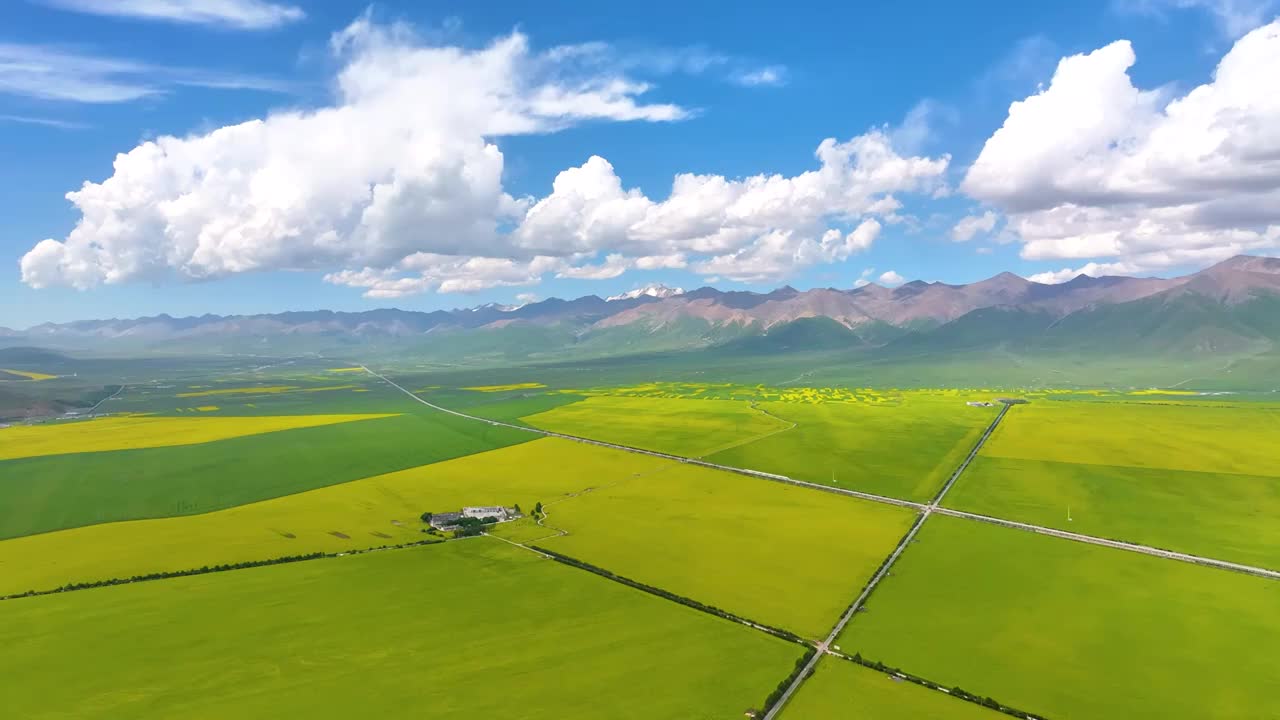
(656, 291)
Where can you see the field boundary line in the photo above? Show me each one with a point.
(535, 551)
(973, 453)
(657, 591)
(824, 646)
(1114, 544)
(923, 507)
(666, 594)
(987, 702)
(212, 569)
(792, 425)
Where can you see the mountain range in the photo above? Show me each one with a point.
(1230, 307)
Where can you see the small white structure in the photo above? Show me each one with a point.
(484, 512)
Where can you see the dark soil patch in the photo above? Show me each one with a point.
(337, 534)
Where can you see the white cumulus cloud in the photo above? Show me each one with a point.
(1094, 168)
(971, 225)
(891, 278)
(397, 187)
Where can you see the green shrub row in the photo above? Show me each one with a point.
(711, 609)
(205, 569)
(955, 692)
(776, 696)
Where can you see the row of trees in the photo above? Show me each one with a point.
(666, 594)
(205, 569)
(776, 696)
(955, 692)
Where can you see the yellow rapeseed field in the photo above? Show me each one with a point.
(123, 433)
(28, 374)
(346, 370)
(504, 388)
(266, 389)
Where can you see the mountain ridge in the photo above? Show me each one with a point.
(670, 318)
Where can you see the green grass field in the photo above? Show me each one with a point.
(65, 491)
(1227, 438)
(905, 450)
(773, 553)
(1071, 630)
(504, 408)
(474, 628)
(376, 511)
(682, 427)
(841, 690)
(1196, 478)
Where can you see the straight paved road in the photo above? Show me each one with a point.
(925, 508)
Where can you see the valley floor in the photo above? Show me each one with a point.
(687, 548)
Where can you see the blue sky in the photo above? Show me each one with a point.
(347, 196)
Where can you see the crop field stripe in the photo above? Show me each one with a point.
(931, 507)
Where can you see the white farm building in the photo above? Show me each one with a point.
(484, 512)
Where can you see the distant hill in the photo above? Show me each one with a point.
(30, 356)
(1230, 308)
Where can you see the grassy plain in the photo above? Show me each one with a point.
(1198, 478)
(381, 510)
(773, 553)
(128, 433)
(55, 492)
(682, 427)
(1224, 438)
(474, 628)
(1065, 629)
(905, 450)
(841, 690)
(900, 444)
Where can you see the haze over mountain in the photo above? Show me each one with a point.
(1228, 306)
